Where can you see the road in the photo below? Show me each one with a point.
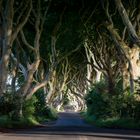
(70, 126)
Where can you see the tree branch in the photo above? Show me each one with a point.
(22, 22)
(25, 41)
(127, 22)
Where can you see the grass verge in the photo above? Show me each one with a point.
(6, 122)
(25, 122)
(121, 123)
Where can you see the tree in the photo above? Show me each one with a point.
(127, 45)
(12, 21)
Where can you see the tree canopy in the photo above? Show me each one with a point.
(65, 47)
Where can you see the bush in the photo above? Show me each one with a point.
(50, 113)
(25, 122)
(36, 107)
(32, 114)
(6, 104)
(97, 101)
(123, 123)
(29, 107)
(137, 85)
(117, 123)
(5, 121)
(34, 111)
(127, 106)
(42, 110)
(102, 105)
(97, 105)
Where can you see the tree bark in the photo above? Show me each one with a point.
(9, 35)
(127, 22)
(124, 49)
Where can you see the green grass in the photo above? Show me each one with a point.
(118, 123)
(125, 123)
(6, 122)
(28, 121)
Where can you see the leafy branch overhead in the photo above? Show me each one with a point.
(60, 50)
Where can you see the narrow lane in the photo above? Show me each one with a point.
(71, 119)
(70, 126)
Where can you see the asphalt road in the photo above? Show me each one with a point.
(70, 126)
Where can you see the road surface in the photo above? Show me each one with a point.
(70, 126)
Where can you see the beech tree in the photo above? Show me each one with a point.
(13, 16)
(58, 46)
(128, 42)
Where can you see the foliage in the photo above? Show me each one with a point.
(117, 123)
(50, 112)
(138, 85)
(96, 103)
(114, 122)
(36, 107)
(7, 122)
(66, 100)
(34, 111)
(9, 105)
(6, 104)
(128, 105)
(37, 50)
(42, 110)
(101, 105)
(29, 107)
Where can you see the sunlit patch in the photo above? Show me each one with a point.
(9, 32)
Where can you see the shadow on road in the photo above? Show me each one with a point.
(71, 131)
(71, 124)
